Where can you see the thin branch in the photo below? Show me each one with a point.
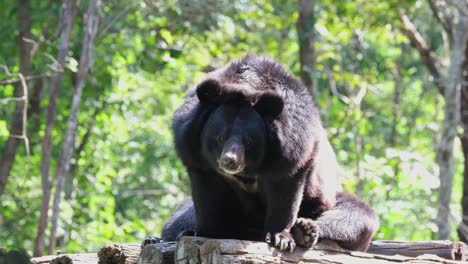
(35, 45)
(6, 70)
(12, 99)
(27, 78)
(114, 20)
(130, 193)
(427, 56)
(54, 62)
(332, 86)
(23, 98)
(362, 92)
(25, 112)
(441, 19)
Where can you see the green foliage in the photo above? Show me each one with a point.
(127, 179)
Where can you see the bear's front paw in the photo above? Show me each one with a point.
(305, 232)
(283, 241)
(150, 240)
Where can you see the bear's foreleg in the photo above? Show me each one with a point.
(283, 200)
(217, 207)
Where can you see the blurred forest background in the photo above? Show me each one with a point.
(88, 88)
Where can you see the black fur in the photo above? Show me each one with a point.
(183, 219)
(266, 120)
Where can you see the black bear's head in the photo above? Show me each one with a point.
(211, 91)
(235, 135)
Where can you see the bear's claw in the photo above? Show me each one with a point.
(150, 240)
(283, 241)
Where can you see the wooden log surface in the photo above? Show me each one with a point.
(158, 253)
(443, 249)
(237, 251)
(119, 254)
(204, 250)
(82, 258)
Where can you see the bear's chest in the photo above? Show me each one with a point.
(246, 184)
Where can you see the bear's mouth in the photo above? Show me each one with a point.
(233, 171)
(239, 176)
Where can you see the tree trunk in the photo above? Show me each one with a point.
(69, 186)
(445, 158)
(66, 25)
(17, 122)
(34, 111)
(451, 92)
(68, 144)
(305, 34)
(463, 227)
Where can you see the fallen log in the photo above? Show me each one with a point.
(443, 249)
(119, 254)
(201, 250)
(204, 250)
(158, 253)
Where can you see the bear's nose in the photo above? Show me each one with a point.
(229, 161)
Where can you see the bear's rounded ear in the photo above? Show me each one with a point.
(269, 104)
(209, 91)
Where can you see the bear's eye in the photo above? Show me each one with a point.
(220, 139)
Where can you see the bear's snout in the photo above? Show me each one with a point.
(232, 158)
(229, 161)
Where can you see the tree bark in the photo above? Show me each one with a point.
(305, 34)
(66, 25)
(463, 227)
(17, 122)
(34, 111)
(445, 157)
(63, 164)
